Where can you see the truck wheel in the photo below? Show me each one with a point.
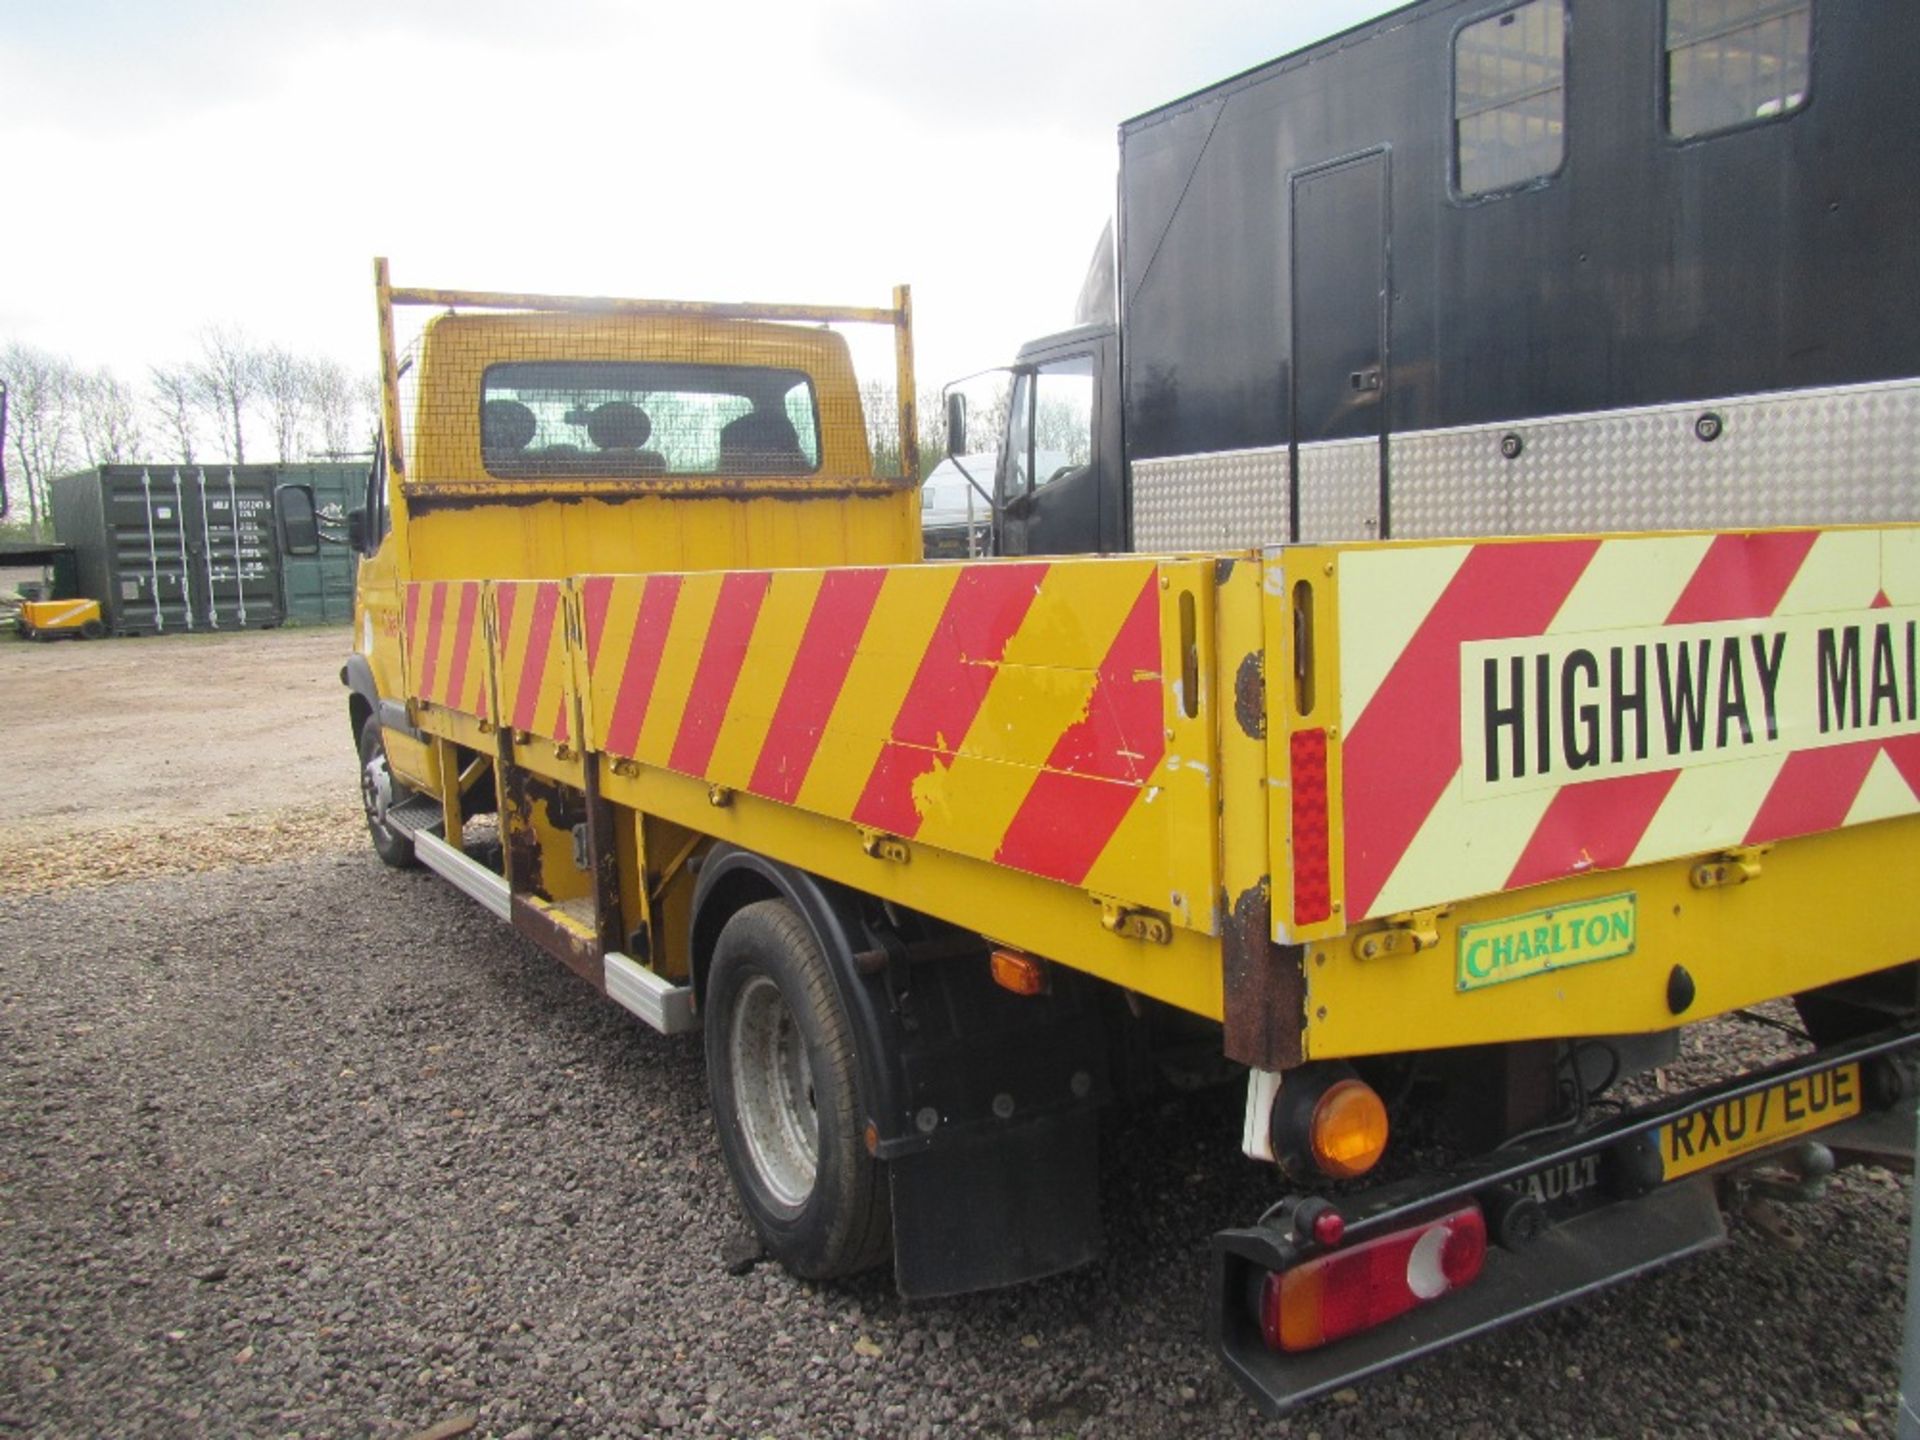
(781, 1073)
(377, 794)
(93, 630)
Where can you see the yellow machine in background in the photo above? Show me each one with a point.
(54, 619)
(52, 608)
(46, 619)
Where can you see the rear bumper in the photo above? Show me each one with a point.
(1624, 1221)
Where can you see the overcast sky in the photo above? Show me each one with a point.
(175, 163)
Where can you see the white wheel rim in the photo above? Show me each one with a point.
(773, 1092)
(376, 787)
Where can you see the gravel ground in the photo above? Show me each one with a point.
(292, 1145)
(311, 1148)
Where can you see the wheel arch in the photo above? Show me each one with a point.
(732, 879)
(363, 698)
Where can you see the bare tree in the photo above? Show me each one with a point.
(1063, 429)
(286, 392)
(173, 398)
(108, 423)
(226, 381)
(366, 393)
(881, 410)
(40, 422)
(988, 401)
(882, 419)
(931, 416)
(333, 398)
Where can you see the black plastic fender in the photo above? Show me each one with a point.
(357, 676)
(731, 878)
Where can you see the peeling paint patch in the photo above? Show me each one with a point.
(1250, 695)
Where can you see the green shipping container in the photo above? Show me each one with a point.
(319, 588)
(170, 549)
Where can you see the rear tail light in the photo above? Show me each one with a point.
(1347, 1291)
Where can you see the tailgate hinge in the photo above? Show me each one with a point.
(882, 846)
(1133, 924)
(1729, 867)
(1407, 934)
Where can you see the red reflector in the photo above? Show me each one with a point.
(1329, 1227)
(1347, 1291)
(1312, 872)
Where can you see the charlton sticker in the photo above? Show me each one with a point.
(1539, 941)
(1552, 710)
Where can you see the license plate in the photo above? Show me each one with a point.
(1727, 1129)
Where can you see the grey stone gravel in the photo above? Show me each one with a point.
(315, 1149)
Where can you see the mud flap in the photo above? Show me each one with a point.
(998, 1208)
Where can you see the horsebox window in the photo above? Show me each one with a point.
(625, 418)
(1735, 62)
(1509, 97)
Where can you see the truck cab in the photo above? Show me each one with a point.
(1059, 483)
(541, 443)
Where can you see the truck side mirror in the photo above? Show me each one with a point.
(956, 423)
(299, 526)
(357, 529)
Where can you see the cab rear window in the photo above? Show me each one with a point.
(627, 418)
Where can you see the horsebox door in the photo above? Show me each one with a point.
(1339, 284)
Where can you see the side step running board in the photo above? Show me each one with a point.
(467, 875)
(416, 815)
(665, 1006)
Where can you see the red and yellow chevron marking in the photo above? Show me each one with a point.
(446, 646)
(532, 675)
(1008, 711)
(1518, 712)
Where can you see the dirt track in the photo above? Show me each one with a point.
(165, 755)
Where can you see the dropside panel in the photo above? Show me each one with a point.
(1034, 715)
(444, 645)
(533, 679)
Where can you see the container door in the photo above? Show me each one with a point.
(318, 589)
(237, 583)
(147, 525)
(1339, 285)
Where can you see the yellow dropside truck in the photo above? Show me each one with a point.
(1428, 845)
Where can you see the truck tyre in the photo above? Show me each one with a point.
(782, 1077)
(379, 791)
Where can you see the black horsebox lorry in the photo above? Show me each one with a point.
(1455, 271)
(1644, 275)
